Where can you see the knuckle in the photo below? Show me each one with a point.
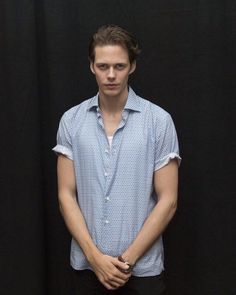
(116, 272)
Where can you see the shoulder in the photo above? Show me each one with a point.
(72, 113)
(73, 118)
(77, 112)
(154, 111)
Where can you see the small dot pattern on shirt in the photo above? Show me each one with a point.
(115, 184)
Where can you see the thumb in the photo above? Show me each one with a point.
(120, 264)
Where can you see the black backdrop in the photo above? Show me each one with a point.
(187, 67)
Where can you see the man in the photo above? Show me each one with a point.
(117, 176)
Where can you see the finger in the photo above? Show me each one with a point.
(118, 282)
(120, 265)
(117, 277)
(111, 285)
(121, 274)
(107, 284)
(114, 280)
(115, 285)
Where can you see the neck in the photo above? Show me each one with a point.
(113, 104)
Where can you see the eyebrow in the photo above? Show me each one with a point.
(106, 63)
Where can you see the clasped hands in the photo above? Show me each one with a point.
(110, 271)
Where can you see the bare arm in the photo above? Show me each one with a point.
(105, 267)
(166, 186)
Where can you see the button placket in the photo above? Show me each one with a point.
(110, 155)
(107, 172)
(106, 158)
(107, 199)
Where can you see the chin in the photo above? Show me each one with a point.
(111, 92)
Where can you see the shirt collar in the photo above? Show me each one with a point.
(132, 103)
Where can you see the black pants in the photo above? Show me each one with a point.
(86, 283)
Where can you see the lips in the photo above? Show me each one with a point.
(111, 85)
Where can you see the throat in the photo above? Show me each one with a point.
(111, 122)
(113, 104)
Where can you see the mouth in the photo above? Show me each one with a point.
(110, 85)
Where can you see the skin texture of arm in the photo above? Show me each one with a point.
(104, 266)
(166, 187)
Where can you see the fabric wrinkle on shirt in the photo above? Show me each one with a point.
(115, 185)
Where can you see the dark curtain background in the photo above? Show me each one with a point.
(187, 67)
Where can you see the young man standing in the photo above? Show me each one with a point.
(117, 176)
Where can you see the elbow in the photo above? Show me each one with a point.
(66, 201)
(174, 205)
(61, 201)
(60, 208)
(173, 208)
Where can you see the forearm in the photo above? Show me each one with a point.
(76, 224)
(107, 268)
(153, 227)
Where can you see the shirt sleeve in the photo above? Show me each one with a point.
(167, 147)
(64, 142)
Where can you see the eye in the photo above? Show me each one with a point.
(120, 66)
(102, 66)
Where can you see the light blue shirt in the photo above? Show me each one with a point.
(115, 185)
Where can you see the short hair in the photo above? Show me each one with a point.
(114, 35)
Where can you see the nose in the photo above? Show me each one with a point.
(111, 73)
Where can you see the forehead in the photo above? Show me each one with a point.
(111, 54)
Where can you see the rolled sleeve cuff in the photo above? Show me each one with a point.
(164, 161)
(60, 149)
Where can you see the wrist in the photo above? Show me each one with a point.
(129, 268)
(129, 257)
(93, 255)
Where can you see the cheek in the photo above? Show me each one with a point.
(125, 77)
(99, 77)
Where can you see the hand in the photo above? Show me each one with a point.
(129, 257)
(108, 270)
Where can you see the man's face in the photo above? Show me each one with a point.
(111, 68)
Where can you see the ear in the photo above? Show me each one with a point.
(133, 67)
(92, 67)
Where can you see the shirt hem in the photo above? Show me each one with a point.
(138, 273)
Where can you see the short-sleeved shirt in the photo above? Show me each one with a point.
(115, 189)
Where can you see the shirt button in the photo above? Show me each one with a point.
(106, 221)
(107, 199)
(107, 151)
(106, 174)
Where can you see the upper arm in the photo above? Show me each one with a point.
(167, 160)
(64, 137)
(66, 176)
(166, 181)
(166, 145)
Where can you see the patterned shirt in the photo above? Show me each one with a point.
(115, 185)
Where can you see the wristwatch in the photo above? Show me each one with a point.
(129, 269)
